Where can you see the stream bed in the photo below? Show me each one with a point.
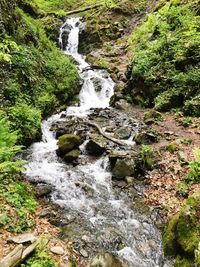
(100, 217)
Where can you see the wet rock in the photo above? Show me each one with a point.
(114, 155)
(43, 190)
(72, 156)
(60, 132)
(123, 133)
(105, 260)
(123, 168)
(97, 84)
(96, 145)
(67, 142)
(86, 239)
(57, 250)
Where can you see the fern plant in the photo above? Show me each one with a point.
(193, 175)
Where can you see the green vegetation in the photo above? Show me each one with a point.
(181, 236)
(36, 79)
(165, 65)
(17, 202)
(144, 160)
(193, 175)
(40, 257)
(36, 76)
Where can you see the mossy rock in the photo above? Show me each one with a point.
(169, 237)
(146, 137)
(180, 262)
(188, 225)
(72, 156)
(123, 168)
(182, 234)
(68, 142)
(152, 116)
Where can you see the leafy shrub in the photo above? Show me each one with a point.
(8, 149)
(165, 64)
(7, 47)
(26, 120)
(186, 121)
(46, 103)
(40, 259)
(144, 160)
(193, 175)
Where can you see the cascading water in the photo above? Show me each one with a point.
(85, 192)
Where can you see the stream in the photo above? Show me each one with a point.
(84, 192)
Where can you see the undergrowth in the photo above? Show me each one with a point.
(166, 55)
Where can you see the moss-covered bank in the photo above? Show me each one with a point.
(181, 237)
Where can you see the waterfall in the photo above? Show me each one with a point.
(85, 192)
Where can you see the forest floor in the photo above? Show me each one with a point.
(178, 136)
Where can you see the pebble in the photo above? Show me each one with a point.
(84, 253)
(57, 250)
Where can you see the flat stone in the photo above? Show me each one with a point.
(84, 253)
(57, 250)
(123, 133)
(24, 238)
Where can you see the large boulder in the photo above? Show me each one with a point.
(123, 168)
(181, 237)
(96, 146)
(68, 142)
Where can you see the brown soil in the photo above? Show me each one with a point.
(169, 171)
(50, 232)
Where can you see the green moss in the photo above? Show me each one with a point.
(68, 142)
(172, 147)
(37, 74)
(169, 237)
(180, 262)
(152, 116)
(182, 234)
(187, 231)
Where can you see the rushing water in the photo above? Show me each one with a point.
(85, 192)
